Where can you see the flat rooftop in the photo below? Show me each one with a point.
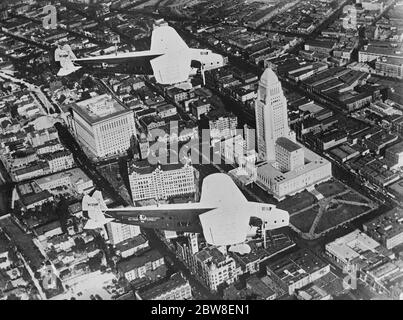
(139, 261)
(396, 148)
(386, 226)
(287, 144)
(312, 162)
(98, 108)
(154, 291)
(352, 245)
(296, 266)
(76, 175)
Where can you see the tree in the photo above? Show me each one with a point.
(85, 95)
(79, 244)
(95, 262)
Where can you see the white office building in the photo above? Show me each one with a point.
(103, 126)
(287, 167)
(161, 181)
(271, 115)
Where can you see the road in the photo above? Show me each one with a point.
(86, 165)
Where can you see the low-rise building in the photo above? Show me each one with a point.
(356, 250)
(131, 246)
(166, 110)
(387, 228)
(137, 266)
(257, 287)
(394, 154)
(313, 292)
(175, 288)
(200, 107)
(119, 232)
(59, 160)
(48, 231)
(380, 140)
(297, 270)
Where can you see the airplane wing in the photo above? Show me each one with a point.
(166, 217)
(140, 58)
(135, 62)
(220, 188)
(176, 217)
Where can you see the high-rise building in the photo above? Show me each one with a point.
(287, 167)
(119, 232)
(271, 115)
(103, 126)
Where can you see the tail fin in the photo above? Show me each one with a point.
(166, 39)
(65, 56)
(95, 208)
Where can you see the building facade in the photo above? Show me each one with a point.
(103, 126)
(215, 268)
(119, 232)
(175, 288)
(162, 181)
(222, 126)
(137, 266)
(271, 115)
(297, 270)
(287, 167)
(387, 228)
(289, 155)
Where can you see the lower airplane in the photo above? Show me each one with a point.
(169, 59)
(222, 215)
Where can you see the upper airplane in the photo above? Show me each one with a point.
(169, 59)
(222, 215)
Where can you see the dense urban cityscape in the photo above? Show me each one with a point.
(201, 150)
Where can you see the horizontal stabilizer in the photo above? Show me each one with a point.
(65, 56)
(95, 208)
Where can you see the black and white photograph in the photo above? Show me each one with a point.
(217, 152)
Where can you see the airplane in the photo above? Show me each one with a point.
(169, 59)
(222, 215)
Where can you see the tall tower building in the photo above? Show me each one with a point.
(271, 115)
